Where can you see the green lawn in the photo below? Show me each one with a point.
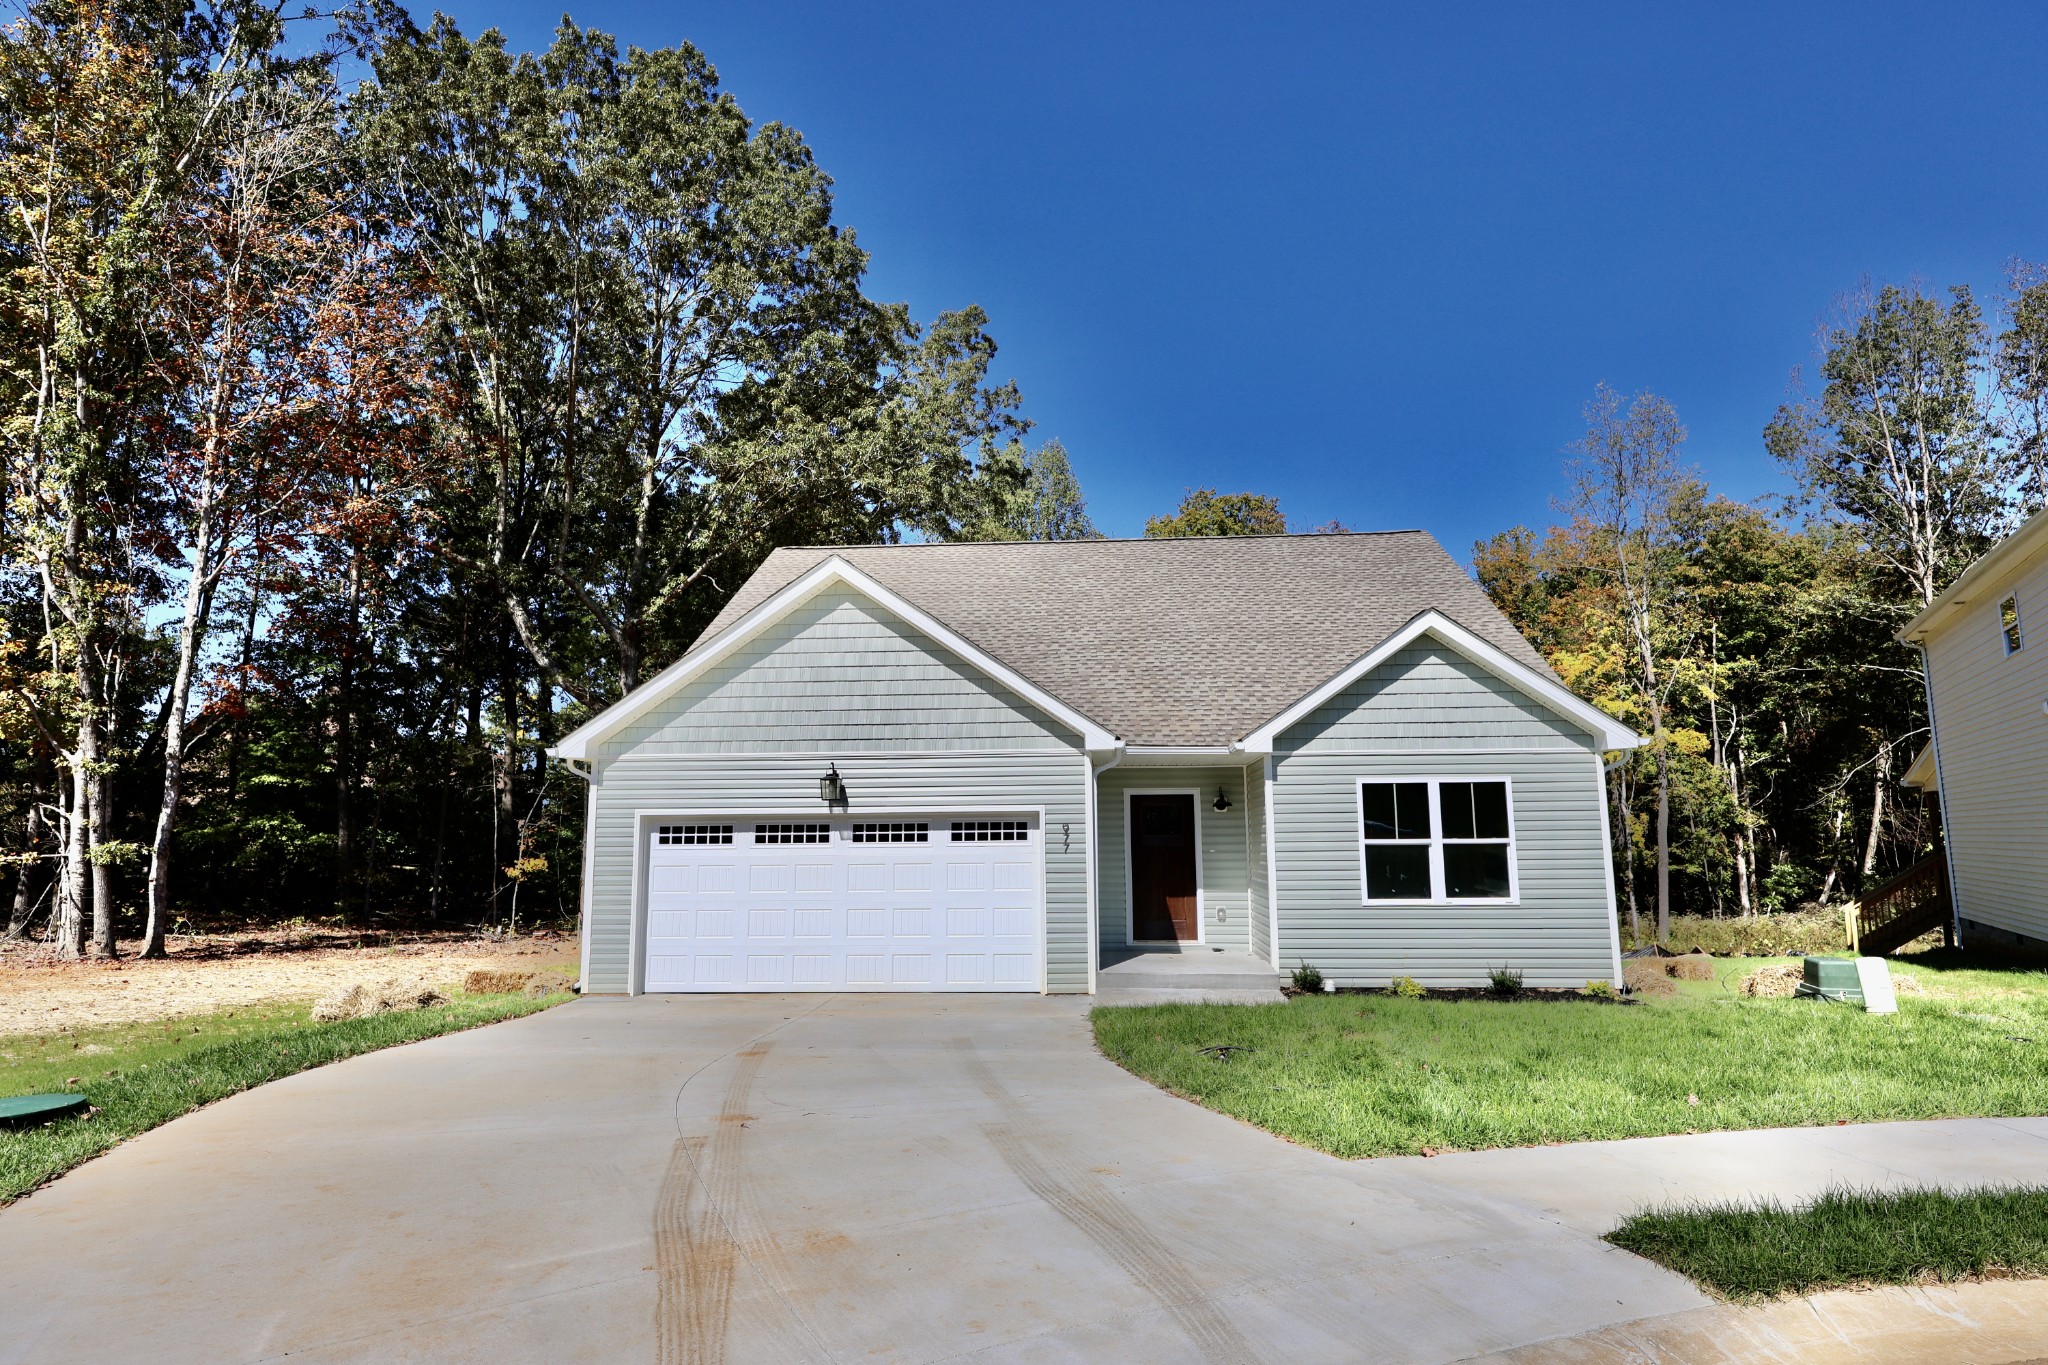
(140, 1075)
(1372, 1075)
(1847, 1238)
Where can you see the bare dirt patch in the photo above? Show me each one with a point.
(207, 972)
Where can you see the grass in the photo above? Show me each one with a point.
(1375, 1075)
(140, 1075)
(1847, 1238)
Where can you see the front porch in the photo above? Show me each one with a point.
(1193, 875)
(1196, 975)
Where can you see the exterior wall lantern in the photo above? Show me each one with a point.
(831, 790)
(1222, 801)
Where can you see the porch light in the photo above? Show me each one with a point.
(1222, 801)
(831, 790)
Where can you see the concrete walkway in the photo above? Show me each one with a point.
(880, 1177)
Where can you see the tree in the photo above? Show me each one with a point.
(1036, 497)
(1898, 442)
(1205, 512)
(2020, 369)
(1632, 495)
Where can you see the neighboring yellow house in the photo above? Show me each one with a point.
(1984, 650)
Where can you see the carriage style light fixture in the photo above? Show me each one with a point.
(831, 790)
(1222, 801)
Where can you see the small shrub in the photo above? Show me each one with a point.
(1407, 987)
(1308, 980)
(1600, 990)
(1691, 967)
(1504, 981)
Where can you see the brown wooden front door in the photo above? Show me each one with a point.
(1163, 869)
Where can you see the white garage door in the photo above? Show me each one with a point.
(903, 904)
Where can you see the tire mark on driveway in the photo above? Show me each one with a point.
(1078, 1196)
(695, 1252)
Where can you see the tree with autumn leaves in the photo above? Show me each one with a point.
(1755, 645)
(360, 441)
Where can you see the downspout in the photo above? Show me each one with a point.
(1094, 868)
(1948, 815)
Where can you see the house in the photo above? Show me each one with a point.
(1984, 653)
(997, 766)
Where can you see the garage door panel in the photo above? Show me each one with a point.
(844, 906)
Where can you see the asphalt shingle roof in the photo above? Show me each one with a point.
(1185, 641)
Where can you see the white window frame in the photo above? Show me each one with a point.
(2014, 637)
(1436, 840)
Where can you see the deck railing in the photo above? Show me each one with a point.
(1913, 903)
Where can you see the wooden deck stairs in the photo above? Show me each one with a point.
(1913, 903)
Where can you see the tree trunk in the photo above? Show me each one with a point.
(1663, 842)
(1884, 764)
(344, 746)
(99, 798)
(1628, 851)
(72, 896)
(27, 889)
(505, 815)
(191, 633)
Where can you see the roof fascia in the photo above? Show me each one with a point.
(1987, 575)
(1611, 733)
(580, 743)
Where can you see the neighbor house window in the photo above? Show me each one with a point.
(2009, 622)
(1435, 840)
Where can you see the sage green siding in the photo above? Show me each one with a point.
(1410, 718)
(1225, 886)
(840, 672)
(911, 727)
(1255, 837)
(1992, 741)
(1428, 696)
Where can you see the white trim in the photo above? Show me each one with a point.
(1607, 862)
(1999, 565)
(645, 819)
(1131, 939)
(1435, 841)
(589, 884)
(580, 743)
(1272, 871)
(836, 755)
(1609, 732)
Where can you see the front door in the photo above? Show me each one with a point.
(1163, 869)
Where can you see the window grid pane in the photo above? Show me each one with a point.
(892, 833)
(693, 834)
(1467, 847)
(990, 831)
(792, 834)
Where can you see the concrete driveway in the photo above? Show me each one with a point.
(760, 1178)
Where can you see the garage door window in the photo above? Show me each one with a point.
(896, 833)
(792, 834)
(990, 831)
(694, 834)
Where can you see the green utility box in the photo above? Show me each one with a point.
(1832, 978)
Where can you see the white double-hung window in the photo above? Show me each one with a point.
(1430, 839)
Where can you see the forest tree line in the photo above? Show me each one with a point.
(378, 402)
(1755, 644)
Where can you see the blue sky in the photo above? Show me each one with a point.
(1372, 259)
